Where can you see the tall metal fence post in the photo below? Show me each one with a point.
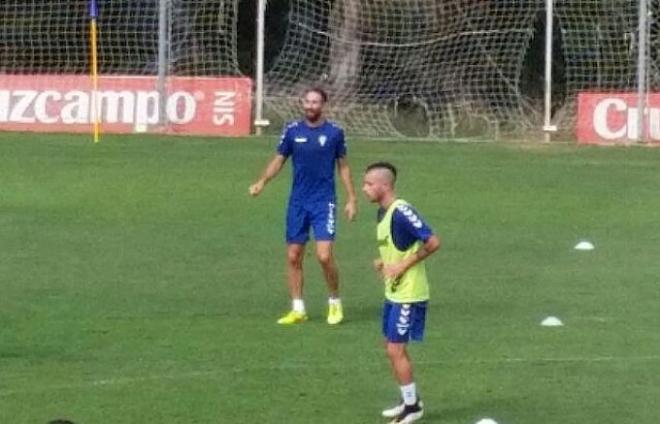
(163, 59)
(548, 128)
(259, 121)
(642, 37)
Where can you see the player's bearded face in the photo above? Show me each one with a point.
(313, 106)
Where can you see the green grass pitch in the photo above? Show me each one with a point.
(140, 284)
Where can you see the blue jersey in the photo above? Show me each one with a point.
(407, 227)
(314, 151)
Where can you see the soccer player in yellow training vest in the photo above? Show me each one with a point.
(404, 241)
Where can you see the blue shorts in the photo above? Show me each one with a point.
(320, 216)
(403, 322)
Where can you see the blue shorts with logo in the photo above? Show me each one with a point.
(321, 217)
(403, 322)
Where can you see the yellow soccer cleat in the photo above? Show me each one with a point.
(293, 317)
(335, 314)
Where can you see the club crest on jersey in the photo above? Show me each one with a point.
(322, 140)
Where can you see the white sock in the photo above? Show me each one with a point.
(409, 394)
(334, 301)
(299, 305)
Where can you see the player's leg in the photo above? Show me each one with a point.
(412, 408)
(297, 233)
(400, 362)
(398, 326)
(294, 268)
(325, 256)
(294, 271)
(323, 221)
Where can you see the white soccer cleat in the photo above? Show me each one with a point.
(395, 411)
(409, 414)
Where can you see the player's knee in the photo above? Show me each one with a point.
(294, 259)
(395, 350)
(324, 258)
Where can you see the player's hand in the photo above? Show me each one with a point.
(256, 188)
(394, 271)
(378, 266)
(350, 210)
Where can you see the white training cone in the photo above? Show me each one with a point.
(584, 245)
(486, 421)
(552, 322)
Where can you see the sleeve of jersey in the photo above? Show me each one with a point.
(284, 146)
(411, 225)
(340, 151)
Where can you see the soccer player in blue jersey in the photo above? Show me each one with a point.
(315, 146)
(404, 241)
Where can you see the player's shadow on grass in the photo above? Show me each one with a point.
(465, 414)
(434, 417)
(371, 312)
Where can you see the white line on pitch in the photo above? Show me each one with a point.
(116, 381)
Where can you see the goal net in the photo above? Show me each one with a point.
(52, 37)
(426, 68)
(418, 67)
(457, 68)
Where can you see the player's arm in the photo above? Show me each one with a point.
(272, 169)
(284, 150)
(411, 228)
(378, 266)
(347, 180)
(431, 245)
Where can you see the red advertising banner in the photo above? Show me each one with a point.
(608, 118)
(126, 104)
